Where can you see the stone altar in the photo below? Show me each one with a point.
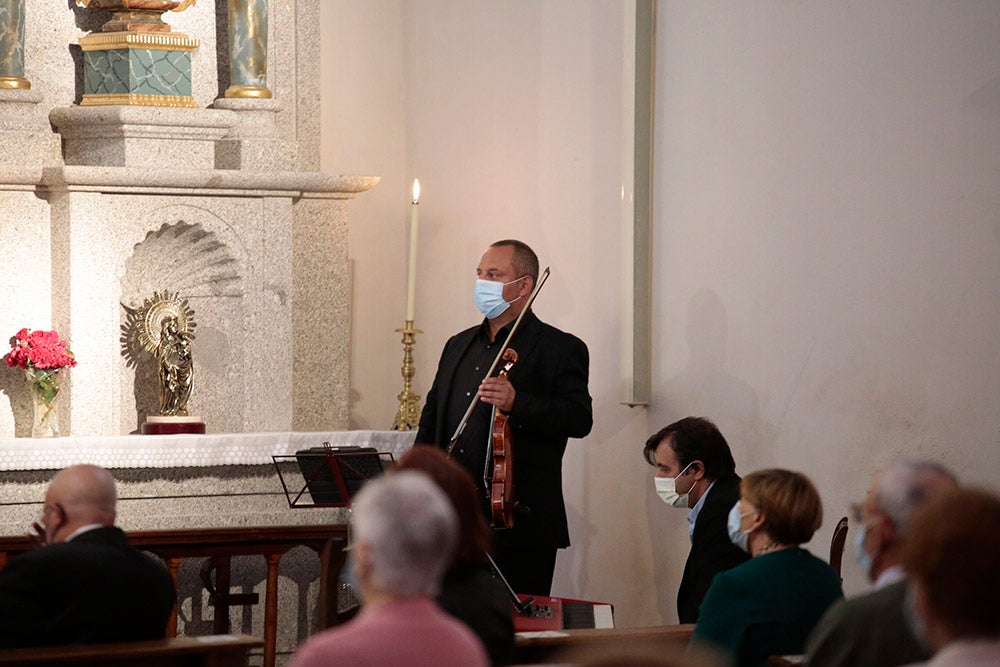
(221, 202)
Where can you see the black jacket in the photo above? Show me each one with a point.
(711, 549)
(96, 588)
(552, 404)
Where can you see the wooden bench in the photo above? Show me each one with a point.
(546, 648)
(208, 651)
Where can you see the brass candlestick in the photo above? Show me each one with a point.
(408, 415)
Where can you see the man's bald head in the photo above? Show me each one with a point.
(78, 496)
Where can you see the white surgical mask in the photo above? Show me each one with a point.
(737, 536)
(666, 489)
(489, 297)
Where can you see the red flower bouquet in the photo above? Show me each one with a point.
(39, 349)
(43, 356)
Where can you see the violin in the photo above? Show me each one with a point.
(502, 501)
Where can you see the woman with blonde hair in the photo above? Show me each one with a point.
(770, 604)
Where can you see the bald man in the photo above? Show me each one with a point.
(86, 584)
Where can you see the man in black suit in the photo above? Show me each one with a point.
(695, 470)
(86, 584)
(545, 397)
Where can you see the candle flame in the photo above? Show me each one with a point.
(416, 191)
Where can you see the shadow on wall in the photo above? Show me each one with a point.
(704, 388)
(185, 258)
(15, 387)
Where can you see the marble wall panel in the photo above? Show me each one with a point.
(25, 294)
(298, 77)
(321, 315)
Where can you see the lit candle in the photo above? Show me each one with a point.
(411, 282)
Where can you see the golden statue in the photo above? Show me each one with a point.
(164, 325)
(176, 368)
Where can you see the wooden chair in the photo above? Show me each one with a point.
(837, 545)
(208, 651)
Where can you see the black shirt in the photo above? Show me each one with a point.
(474, 442)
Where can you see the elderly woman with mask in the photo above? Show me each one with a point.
(769, 605)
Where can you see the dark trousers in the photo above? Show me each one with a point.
(527, 570)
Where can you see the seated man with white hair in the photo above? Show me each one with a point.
(871, 629)
(405, 532)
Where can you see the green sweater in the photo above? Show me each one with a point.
(767, 606)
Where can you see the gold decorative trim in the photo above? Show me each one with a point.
(172, 41)
(256, 92)
(17, 83)
(134, 100)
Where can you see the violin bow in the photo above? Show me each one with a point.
(496, 362)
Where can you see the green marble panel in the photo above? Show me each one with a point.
(248, 42)
(137, 72)
(12, 38)
(105, 72)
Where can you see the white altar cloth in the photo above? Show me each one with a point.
(184, 451)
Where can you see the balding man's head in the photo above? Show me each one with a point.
(78, 496)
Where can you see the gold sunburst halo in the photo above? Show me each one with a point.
(144, 325)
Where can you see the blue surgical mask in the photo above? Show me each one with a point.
(863, 557)
(489, 297)
(737, 536)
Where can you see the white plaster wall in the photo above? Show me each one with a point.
(828, 246)
(826, 241)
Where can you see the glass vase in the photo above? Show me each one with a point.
(45, 384)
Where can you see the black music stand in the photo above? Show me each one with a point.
(331, 476)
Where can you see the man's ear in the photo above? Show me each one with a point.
(57, 523)
(697, 470)
(527, 285)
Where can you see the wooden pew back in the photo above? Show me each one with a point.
(543, 648)
(208, 651)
